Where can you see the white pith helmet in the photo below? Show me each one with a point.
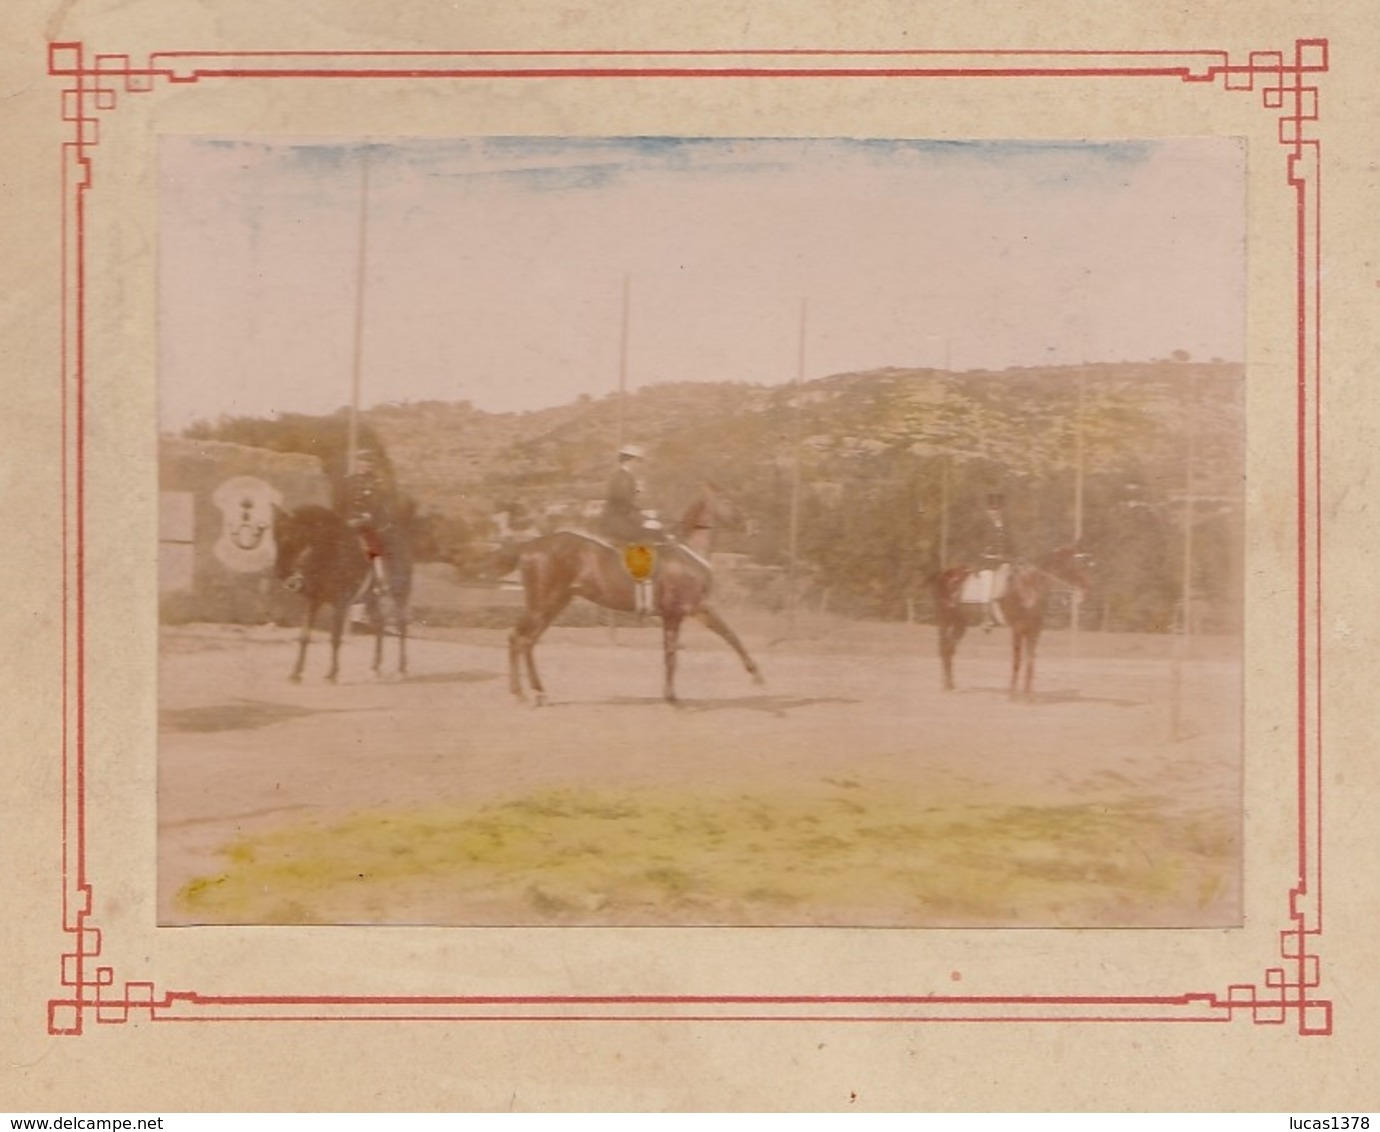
(633, 451)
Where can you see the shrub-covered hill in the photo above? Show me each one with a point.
(884, 472)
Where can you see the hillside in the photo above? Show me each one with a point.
(886, 469)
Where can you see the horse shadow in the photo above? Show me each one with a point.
(238, 715)
(463, 677)
(776, 705)
(1051, 696)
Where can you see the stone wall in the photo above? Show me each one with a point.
(216, 548)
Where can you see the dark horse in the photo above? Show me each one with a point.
(323, 559)
(1023, 606)
(568, 564)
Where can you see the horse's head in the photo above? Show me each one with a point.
(289, 537)
(297, 534)
(708, 511)
(1072, 565)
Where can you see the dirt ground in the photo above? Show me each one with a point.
(848, 790)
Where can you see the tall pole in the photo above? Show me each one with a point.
(945, 470)
(623, 360)
(795, 461)
(608, 614)
(1183, 644)
(361, 268)
(1078, 462)
(1075, 602)
(946, 459)
(1190, 487)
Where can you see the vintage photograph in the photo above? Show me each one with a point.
(685, 531)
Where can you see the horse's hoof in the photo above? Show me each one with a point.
(539, 700)
(295, 678)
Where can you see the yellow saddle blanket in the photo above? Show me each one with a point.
(639, 560)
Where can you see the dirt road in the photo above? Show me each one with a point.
(848, 790)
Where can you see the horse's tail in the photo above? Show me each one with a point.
(945, 576)
(946, 584)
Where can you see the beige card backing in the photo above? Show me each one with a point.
(108, 1012)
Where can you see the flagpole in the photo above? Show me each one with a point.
(361, 267)
(612, 619)
(944, 471)
(1183, 643)
(1075, 602)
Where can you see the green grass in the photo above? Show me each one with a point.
(872, 857)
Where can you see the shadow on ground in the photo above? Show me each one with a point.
(239, 715)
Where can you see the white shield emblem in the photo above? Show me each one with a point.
(246, 542)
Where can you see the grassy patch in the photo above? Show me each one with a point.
(876, 857)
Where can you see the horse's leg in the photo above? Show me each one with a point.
(952, 627)
(302, 638)
(945, 668)
(514, 663)
(711, 620)
(670, 638)
(402, 639)
(529, 653)
(1017, 640)
(338, 615)
(947, 644)
(522, 642)
(380, 628)
(1030, 662)
(952, 634)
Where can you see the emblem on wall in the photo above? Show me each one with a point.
(246, 542)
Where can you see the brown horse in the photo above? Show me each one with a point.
(567, 564)
(1023, 606)
(322, 558)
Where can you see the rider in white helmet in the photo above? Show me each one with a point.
(623, 520)
(628, 526)
(994, 560)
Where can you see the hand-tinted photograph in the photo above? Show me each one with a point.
(644, 532)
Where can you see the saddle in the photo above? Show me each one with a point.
(984, 587)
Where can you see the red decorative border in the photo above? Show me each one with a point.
(1287, 992)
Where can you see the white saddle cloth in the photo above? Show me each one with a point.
(984, 586)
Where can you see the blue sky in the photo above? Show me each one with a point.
(495, 268)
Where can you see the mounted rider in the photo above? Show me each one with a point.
(632, 529)
(994, 561)
(368, 507)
